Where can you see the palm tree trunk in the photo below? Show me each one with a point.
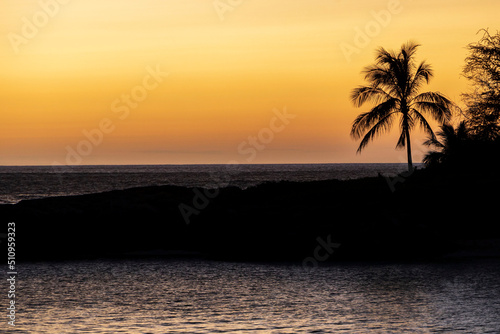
(408, 150)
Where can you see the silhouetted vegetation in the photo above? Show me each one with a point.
(450, 143)
(394, 84)
(475, 144)
(459, 149)
(482, 68)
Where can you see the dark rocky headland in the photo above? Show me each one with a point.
(424, 215)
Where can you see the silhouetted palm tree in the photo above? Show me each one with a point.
(394, 82)
(453, 142)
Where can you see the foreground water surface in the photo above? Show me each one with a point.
(198, 296)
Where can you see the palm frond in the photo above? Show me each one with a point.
(423, 123)
(409, 48)
(384, 57)
(433, 142)
(422, 74)
(435, 104)
(406, 124)
(433, 158)
(402, 140)
(383, 124)
(366, 120)
(362, 94)
(378, 76)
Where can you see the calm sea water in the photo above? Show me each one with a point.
(18, 183)
(195, 296)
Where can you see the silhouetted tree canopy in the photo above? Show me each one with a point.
(482, 68)
(449, 145)
(459, 149)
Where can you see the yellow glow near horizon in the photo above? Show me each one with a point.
(64, 63)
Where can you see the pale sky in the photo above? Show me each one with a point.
(191, 81)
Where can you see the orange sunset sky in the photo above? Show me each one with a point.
(77, 69)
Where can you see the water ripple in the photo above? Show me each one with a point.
(173, 296)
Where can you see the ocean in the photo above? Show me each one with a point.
(200, 296)
(19, 183)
